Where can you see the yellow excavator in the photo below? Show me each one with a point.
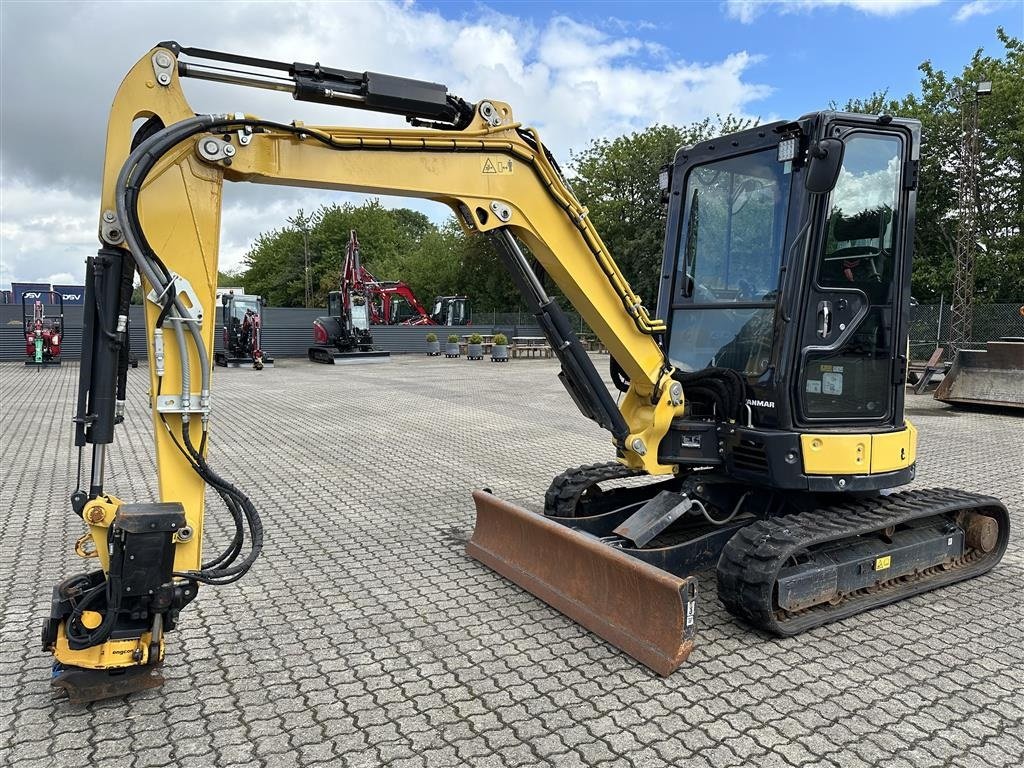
(764, 397)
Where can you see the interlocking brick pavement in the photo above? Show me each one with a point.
(365, 637)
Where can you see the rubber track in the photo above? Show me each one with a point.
(752, 559)
(565, 491)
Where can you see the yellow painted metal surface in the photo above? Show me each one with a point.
(132, 652)
(99, 515)
(469, 170)
(473, 171)
(836, 454)
(179, 208)
(894, 450)
(828, 454)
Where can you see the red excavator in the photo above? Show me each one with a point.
(243, 333)
(364, 301)
(392, 302)
(43, 333)
(344, 333)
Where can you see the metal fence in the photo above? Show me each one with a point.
(288, 332)
(930, 326)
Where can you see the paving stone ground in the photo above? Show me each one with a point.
(365, 637)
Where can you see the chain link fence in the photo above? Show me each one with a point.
(930, 326)
(523, 318)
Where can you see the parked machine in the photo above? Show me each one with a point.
(765, 400)
(449, 310)
(242, 335)
(393, 302)
(43, 333)
(343, 335)
(993, 376)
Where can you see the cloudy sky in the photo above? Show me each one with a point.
(574, 70)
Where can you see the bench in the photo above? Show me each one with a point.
(464, 347)
(530, 350)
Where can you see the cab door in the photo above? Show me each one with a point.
(852, 339)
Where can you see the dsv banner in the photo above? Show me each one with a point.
(73, 294)
(31, 291)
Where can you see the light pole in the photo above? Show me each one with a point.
(962, 309)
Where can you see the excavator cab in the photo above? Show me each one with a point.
(451, 310)
(796, 287)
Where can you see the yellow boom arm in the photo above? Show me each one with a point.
(488, 174)
(494, 174)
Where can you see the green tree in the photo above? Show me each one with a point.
(275, 265)
(999, 269)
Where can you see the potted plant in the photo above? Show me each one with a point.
(433, 345)
(499, 352)
(475, 349)
(451, 349)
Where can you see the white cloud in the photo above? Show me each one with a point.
(975, 8)
(746, 11)
(572, 81)
(44, 231)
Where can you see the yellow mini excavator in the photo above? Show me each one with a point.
(764, 397)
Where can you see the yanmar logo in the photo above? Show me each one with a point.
(761, 403)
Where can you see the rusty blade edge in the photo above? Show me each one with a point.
(662, 653)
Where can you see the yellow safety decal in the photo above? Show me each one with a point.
(500, 166)
(883, 562)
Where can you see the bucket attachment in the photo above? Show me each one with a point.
(642, 610)
(82, 686)
(990, 376)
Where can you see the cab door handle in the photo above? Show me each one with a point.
(824, 319)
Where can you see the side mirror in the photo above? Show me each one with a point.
(826, 158)
(224, 299)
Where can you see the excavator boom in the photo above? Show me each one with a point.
(164, 186)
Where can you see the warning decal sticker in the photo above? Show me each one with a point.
(497, 165)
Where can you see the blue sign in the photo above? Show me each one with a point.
(73, 294)
(32, 291)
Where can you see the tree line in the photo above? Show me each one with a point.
(617, 179)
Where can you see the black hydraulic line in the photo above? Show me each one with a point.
(124, 307)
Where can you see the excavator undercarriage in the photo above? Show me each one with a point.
(785, 563)
(759, 428)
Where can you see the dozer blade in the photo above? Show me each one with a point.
(992, 376)
(642, 610)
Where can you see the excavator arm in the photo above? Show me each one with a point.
(160, 215)
(495, 175)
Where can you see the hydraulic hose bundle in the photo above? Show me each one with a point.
(226, 567)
